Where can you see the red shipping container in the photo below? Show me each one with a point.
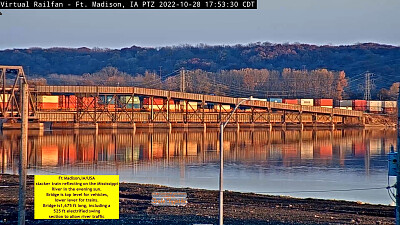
(157, 101)
(360, 105)
(85, 102)
(291, 101)
(324, 102)
(68, 102)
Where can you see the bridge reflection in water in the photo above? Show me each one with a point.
(256, 153)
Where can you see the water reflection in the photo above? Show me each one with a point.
(257, 160)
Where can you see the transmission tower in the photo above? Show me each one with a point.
(183, 81)
(367, 86)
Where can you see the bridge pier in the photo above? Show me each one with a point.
(15, 126)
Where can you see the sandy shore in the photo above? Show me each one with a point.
(202, 208)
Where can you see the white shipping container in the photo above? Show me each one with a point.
(6, 97)
(374, 103)
(346, 107)
(191, 105)
(390, 104)
(309, 102)
(330, 107)
(47, 99)
(374, 109)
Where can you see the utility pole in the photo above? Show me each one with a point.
(221, 174)
(367, 86)
(183, 81)
(398, 160)
(23, 91)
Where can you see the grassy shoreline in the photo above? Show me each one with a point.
(202, 208)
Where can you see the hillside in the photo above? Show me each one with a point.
(354, 60)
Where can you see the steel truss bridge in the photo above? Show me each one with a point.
(258, 112)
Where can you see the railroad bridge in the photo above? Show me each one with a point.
(97, 113)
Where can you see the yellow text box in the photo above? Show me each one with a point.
(76, 197)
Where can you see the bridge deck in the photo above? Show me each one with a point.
(100, 90)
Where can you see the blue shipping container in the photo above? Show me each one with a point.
(277, 100)
(108, 100)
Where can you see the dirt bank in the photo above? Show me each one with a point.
(202, 208)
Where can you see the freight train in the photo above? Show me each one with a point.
(136, 103)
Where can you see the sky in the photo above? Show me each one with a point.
(321, 22)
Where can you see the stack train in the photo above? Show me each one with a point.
(140, 103)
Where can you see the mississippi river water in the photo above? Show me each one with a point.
(349, 164)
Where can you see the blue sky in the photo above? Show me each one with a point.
(278, 21)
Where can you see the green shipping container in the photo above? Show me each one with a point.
(129, 99)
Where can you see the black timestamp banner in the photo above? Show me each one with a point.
(127, 4)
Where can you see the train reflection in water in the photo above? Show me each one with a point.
(124, 147)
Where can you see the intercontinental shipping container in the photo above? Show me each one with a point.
(156, 101)
(308, 102)
(222, 108)
(85, 103)
(191, 106)
(67, 102)
(277, 100)
(345, 103)
(325, 103)
(360, 105)
(129, 102)
(4, 103)
(47, 102)
(159, 104)
(109, 99)
(291, 101)
(129, 99)
(375, 106)
(107, 102)
(390, 107)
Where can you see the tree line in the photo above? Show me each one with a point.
(382, 60)
(260, 83)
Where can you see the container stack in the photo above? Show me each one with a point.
(291, 101)
(307, 102)
(47, 102)
(324, 103)
(277, 100)
(390, 107)
(346, 104)
(360, 105)
(4, 103)
(130, 102)
(375, 106)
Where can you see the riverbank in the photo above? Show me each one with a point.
(202, 208)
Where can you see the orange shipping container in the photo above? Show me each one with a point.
(291, 101)
(47, 106)
(324, 102)
(156, 101)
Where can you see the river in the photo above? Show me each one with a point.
(348, 164)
